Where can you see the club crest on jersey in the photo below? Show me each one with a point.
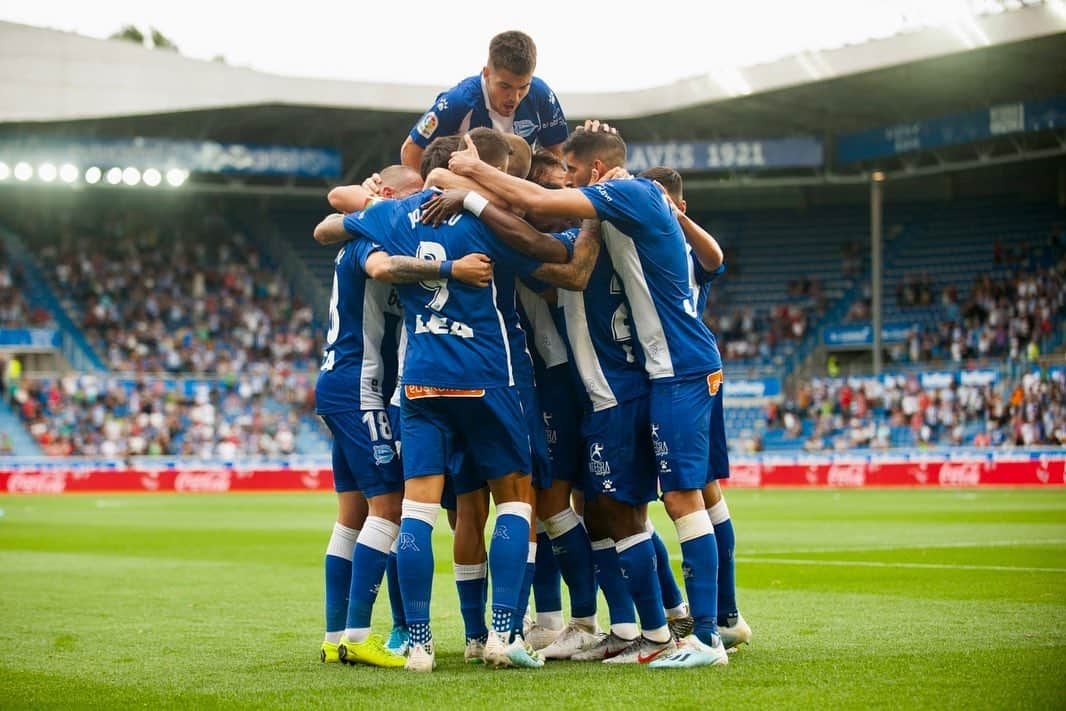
(427, 125)
(383, 454)
(524, 127)
(598, 466)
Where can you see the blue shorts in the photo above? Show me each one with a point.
(562, 426)
(681, 430)
(489, 422)
(364, 454)
(462, 477)
(719, 462)
(618, 459)
(538, 442)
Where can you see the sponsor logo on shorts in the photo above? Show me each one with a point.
(598, 466)
(714, 382)
(415, 392)
(549, 432)
(662, 449)
(383, 454)
(427, 125)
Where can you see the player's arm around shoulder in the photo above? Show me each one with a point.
(471, 269)
(567, 202)
(331, 230)
(574, 275)
(511, 229)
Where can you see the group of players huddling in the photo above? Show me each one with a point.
(557, 362)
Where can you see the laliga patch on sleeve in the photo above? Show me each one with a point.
(427, 126)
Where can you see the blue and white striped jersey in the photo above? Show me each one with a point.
(457, 335)
(537, 118)
(601, 343)
(354, 364)
(650, 255)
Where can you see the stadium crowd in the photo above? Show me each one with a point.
(256, 413)
(1013, 317)
(860, 413)
(15, 311)
(748, 333)
(194, 296)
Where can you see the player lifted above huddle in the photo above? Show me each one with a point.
(505, 96)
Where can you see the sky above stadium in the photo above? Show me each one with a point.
(590, 46)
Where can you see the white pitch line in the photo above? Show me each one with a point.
(920, 546)
(881, 564)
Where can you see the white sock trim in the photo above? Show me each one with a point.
(630, 541)
(660, 635)
(357, 634)
(531, 556)
(475, 571)
(694, 525)
(603, 544)
(626, 630)
(649, 526)
(540, 527)
(395, 546)
(550, 619)
(379, 534)
(719, 513)
(562, 523)
(426, 513)
(515, 508)
(342, 541)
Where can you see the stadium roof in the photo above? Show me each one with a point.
(57, 83)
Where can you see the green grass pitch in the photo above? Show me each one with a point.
(858, 599)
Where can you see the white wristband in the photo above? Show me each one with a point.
(475, 203)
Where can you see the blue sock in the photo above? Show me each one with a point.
(727, 580)
(609, 576)
(700, 569)
(472, 584)
(507, 562)
(368, 567)
(636, 560)
(395, 598)
(414, 562)
(338, 566)
(667, 582)
(338, 582)
(570, 545)
(523, 594)
(547, 591)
